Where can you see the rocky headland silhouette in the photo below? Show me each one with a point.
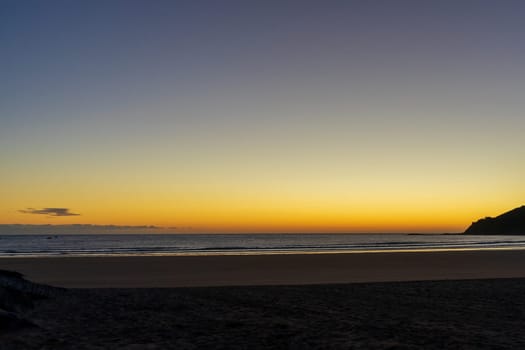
(509, 223)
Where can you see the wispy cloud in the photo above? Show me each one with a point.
(49, 211)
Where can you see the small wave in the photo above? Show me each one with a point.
(114, 245)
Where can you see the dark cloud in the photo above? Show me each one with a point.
(49, 211)
(48, 229)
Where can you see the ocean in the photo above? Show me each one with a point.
(242, 244)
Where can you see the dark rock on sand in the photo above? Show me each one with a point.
(509, 223)
(13, 300)
(16, 281)
(17, 296)
(9, 321)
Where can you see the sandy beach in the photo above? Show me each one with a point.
(193, 271)
(436, 300)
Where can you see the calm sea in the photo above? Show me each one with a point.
(239, 244)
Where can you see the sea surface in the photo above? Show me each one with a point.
(242, 244)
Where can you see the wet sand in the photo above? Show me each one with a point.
(193, 271)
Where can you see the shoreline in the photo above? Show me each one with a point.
(272, 269)
(264, 253)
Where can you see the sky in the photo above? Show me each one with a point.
(262, 116)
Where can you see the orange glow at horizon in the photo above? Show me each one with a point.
(291, 197)
(269, 215)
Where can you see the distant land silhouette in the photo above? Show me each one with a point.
(509, 223)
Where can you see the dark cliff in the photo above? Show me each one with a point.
(509, 223)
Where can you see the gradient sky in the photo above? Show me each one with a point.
(262, 116)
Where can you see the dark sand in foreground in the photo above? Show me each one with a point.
(473, 314)
(446, 314)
